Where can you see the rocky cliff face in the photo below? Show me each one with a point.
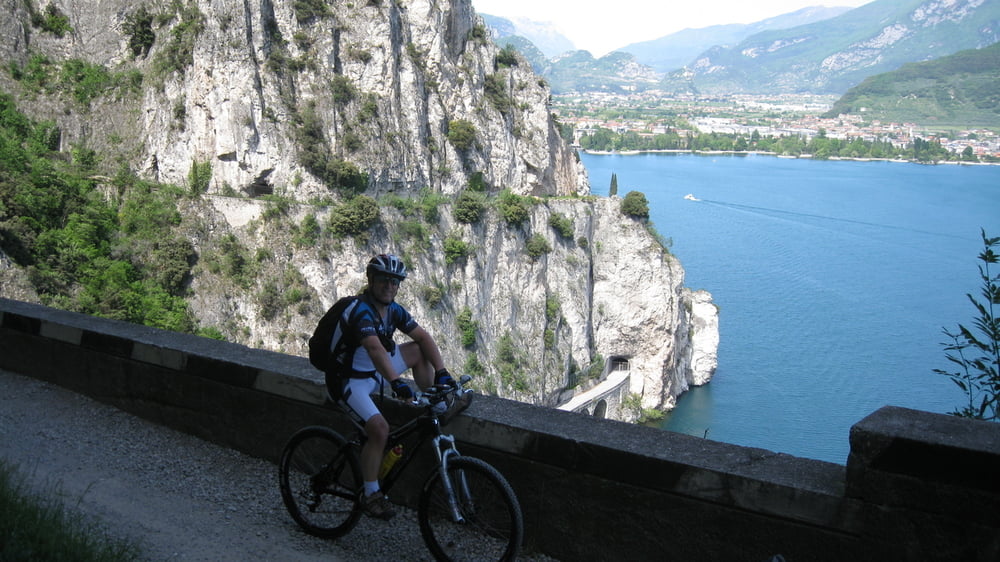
(407, 102)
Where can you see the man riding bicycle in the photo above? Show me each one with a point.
(371, 357)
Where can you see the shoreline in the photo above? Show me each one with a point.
(776, 155)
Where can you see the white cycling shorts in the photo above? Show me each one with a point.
(358, 392)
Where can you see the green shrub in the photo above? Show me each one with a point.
(307, 10)
(461, 134)
(138, 26)
(477, 183)
(635, 205)
(355, 217)
(977, 354)
(479, 33)
(513, 208)
(36, 75)
(199, 177)
(469, 207)
(537, 247)
(85, 80)
(211, 332)
(467, 327)
(509, 365)
(473, 366)
(562, 225)
(416, 55)
(495, 88)
(416, 231)
(552, 306)
(455, 249)
(342, 90)
(430, 205)
(275, 207)
(52, 21)
(362, 55)
(282, 294)
(432, 295)
(178, 53)
(369, 109)
(549, 339)
(116, 258)
(236, 264)
(507, 57)
(307, 234)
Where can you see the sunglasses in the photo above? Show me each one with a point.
(394, 281)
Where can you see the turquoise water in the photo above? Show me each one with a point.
(833, 279)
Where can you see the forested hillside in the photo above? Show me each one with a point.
(89, 243)
(959, 90)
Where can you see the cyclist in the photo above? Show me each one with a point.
(376, 359)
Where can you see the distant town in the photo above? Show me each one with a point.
(648, 114)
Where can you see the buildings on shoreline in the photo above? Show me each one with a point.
(786, 115)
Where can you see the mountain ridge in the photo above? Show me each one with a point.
(825, 56)
(831, 56)
(685, 45)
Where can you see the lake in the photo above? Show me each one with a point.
(834, 280)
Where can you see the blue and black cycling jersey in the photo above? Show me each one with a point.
(363, 320)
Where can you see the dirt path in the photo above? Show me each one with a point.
(180, 497)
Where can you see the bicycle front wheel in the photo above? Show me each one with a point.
(483, 523)
(320, 479)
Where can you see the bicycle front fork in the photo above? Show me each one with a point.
(444, 445)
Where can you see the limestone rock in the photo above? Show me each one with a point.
(278, 98)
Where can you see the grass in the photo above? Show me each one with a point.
(38, 526)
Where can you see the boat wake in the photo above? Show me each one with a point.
(792, 215)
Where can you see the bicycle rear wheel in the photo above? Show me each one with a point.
(320, 479)
(490, 525)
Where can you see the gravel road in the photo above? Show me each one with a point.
(180, 497)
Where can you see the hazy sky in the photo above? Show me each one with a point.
(600, 26)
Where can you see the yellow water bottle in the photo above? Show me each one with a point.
(390, 459)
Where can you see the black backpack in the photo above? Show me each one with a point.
(322, 349)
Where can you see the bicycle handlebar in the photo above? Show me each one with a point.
(436, 394)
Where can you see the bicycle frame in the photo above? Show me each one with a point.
(427, 427)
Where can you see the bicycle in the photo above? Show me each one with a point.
(466, 508)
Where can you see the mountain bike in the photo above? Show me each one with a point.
(466, 508)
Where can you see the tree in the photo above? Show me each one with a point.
(968, 155)
(614, 185)
(635, 205)
(978, 356)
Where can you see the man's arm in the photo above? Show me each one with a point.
(380, 359)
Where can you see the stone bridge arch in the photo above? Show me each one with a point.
(606, 399)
